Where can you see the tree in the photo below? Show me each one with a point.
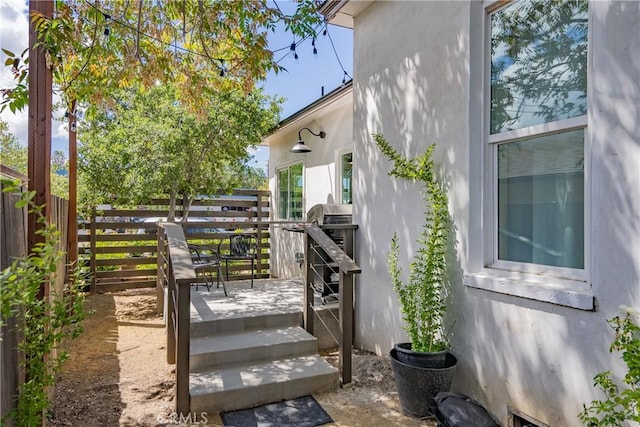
(200, 47)
(254, 178)
(15, 155)
(12, 154)
(148, 144)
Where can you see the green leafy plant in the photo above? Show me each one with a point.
(42, 321)
(618, 406)
(423, 296)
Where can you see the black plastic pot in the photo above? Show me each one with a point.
(436, 359)
(418, 386)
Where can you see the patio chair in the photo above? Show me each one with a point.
(240, 247)
(206, 261)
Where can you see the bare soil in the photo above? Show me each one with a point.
(117, 374)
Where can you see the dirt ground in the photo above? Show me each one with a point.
(117, 374)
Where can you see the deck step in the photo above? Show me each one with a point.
(251, 346)
(209, 328)
(242, 386)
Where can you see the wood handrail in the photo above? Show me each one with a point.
(314, 236)
(179, 273)
(180, 257)
(337, 255)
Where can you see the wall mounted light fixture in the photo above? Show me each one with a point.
(300, 146)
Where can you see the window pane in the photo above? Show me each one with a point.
(538, 63)
(295, 192)
(290, 192)
(283, 193)
(347, 166)
(541, 200)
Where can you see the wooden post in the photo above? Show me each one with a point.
(346, 325)
(182, 348)
(259, 229)
(39, 140)
(308, 311)
(72, 217)
(171, 317)
(160, 275)
(92, 247)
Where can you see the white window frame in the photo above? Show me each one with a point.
(280, 168)
(558, 285)
(339, 153)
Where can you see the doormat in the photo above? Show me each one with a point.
(302, 412)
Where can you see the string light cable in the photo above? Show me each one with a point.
(335, 51)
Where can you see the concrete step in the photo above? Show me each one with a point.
(208, 328)
(248, 385)
(251, 346)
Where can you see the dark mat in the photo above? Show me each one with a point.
(301, 412)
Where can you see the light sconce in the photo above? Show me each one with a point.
(300, 147)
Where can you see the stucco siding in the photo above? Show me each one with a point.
(418, 73)
(411, 85)
(319, 172)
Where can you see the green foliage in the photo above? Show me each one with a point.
(618, 406)
(148, 144)
(96, 48)
(15, 156)
(43, 322)
(17, 97)
(12, 154)
(254, 178)
(423, 297)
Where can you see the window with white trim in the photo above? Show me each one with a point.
(290, 186)
(346, 178)
(537, 109)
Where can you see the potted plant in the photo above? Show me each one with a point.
(424, 366)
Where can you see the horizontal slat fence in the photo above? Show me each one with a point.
(119, 244)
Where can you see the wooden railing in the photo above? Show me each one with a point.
(321, 252)
(175, 270)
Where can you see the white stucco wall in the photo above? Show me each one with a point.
(418, 79)
(319, 171)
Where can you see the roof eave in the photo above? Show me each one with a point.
(327, 99)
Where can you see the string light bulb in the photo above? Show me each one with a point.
(107, 30)
(292, 50)
(313, 43)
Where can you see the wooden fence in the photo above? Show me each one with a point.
(13, 246)
(119, 244)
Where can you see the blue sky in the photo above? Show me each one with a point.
(300, 85)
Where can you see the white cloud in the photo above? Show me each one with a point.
(14, 36)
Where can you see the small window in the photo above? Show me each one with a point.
(290, 185)
(346, 180)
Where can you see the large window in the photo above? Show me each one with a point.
(537, 121)
(290, 192)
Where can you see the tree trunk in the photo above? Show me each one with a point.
(187, 201)
(171, 216)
